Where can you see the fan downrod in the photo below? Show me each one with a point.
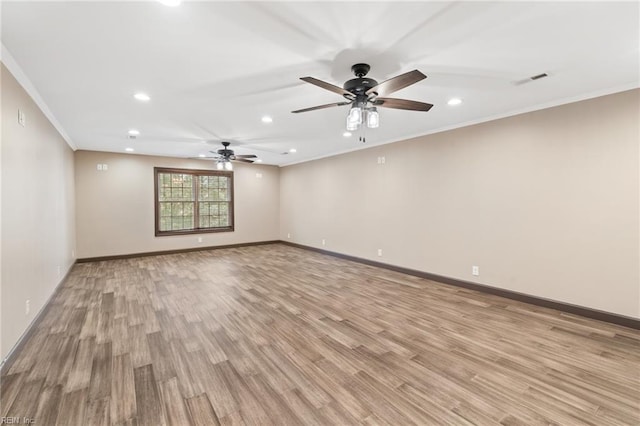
(360, 70)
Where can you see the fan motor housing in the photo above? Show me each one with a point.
(358, 86)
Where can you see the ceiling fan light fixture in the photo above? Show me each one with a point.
(355, 115)
(354, 118)
(220, 165)
(373, 119)
(228, 165)
(454, 101)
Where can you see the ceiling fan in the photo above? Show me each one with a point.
(366, 94)
(225, 156)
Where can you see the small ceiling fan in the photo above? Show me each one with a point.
(225, 156)
(365, 94)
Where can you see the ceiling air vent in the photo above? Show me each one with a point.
(539, 76)
(532, 78)
(132, 136)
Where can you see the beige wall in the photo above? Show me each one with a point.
(115, 209)
(545, 203)
(38, 223)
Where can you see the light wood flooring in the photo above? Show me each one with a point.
(278, 335)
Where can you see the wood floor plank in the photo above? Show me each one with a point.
(253, 412)
(201, 411)
(174, 405)
(79, 376)
(100, 382)
(25, 404)
(49, 405)
(149, 410)
(161, 356)
(98, 412)
(72, 408)
(9, 387)
(122, 395)
(275, 335)
(139, 346)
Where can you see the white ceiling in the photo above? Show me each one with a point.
(213, 69)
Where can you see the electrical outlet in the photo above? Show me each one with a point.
(288, 235)
(199, 239)
(105, 167)
(27, 307)
(380, 252)
(99, 167)
(73, 253)
(259, 175)
(475, 270)
(324, 242)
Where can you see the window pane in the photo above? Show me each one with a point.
(187, 194)
(165, 209)
(176, 223)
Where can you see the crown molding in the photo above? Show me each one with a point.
(8, 60)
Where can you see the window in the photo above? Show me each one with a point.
(193, 201)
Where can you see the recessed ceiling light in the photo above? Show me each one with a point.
(171, 3)
(201, 155)
(346, 134)
(142, 97)
(292, 150)
(134, 132)
(129, 149)
(454, 101)
(267, 119)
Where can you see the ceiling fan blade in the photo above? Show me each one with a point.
(203, 158)
(243, 160)
(402, 104)
(396, 83)
(322, 107)
(246, 156)
(327, 86)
